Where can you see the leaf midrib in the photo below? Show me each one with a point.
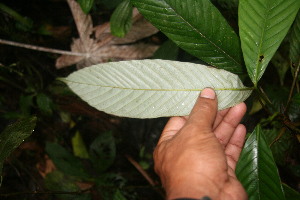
(153, 89)
(196, 30)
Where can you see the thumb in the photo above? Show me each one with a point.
(205, 110)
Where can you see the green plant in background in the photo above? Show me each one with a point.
(146, 88)
(264, 39)
(13, 136)
(73, 168)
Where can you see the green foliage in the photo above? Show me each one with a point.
(103, 151)
(280, 143)
(282, 65)
(216, 44)
(13, 135)
(44, 103)
(290, 193)
(200, 29)
(65, 161)
(167, 51)
(101, 155)
(24, 23)
(86, 5)
(58, 181)
(263, 25)
(295, 41)
(121, 19)
(109, 4)
(256, 169)
(79, 148)
(228, 4)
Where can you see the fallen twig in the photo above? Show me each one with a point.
(39, 48)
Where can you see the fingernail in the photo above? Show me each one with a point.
(208, 93)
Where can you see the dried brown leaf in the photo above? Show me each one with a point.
(45, 166)
(104, 46)
(117, 53)
(83, 21)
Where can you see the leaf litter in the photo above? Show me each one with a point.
(98, 45)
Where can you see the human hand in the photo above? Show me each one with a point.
(196, 155)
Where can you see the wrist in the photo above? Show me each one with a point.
(190, 188)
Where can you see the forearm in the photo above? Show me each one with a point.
(203, 198)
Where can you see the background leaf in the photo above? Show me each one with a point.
(263, 25)
(118, 195)
(228, 4)
(189, 24)
(257, 171)
(121, 19)
(13, 135)
(295, 41)
(79, 148)
(153, 88)
(103, 151)
(280, 142)
(45, 104)
(167, 51)
(65, 161)
(282, 65)
(86, 5)
(294, 111)
(57, 181)
(290, 193)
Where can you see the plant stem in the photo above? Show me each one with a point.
(292, 88)
(38, 48)
(144, 174)
(263, 97)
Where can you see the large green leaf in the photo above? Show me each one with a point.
(198, 27)
(257, 171)
(295, 41)
(13, 135)
(263, 24)
(120, 21)
(153, 88)
(290, 193)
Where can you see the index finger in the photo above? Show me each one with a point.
(171, 128)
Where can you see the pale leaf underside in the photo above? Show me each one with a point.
(153, 88)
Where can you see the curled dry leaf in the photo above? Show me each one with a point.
(98, 45)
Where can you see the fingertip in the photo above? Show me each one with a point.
(241, 107)
(205, 109)
(208, 93)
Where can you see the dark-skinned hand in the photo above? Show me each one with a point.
(196, 155)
